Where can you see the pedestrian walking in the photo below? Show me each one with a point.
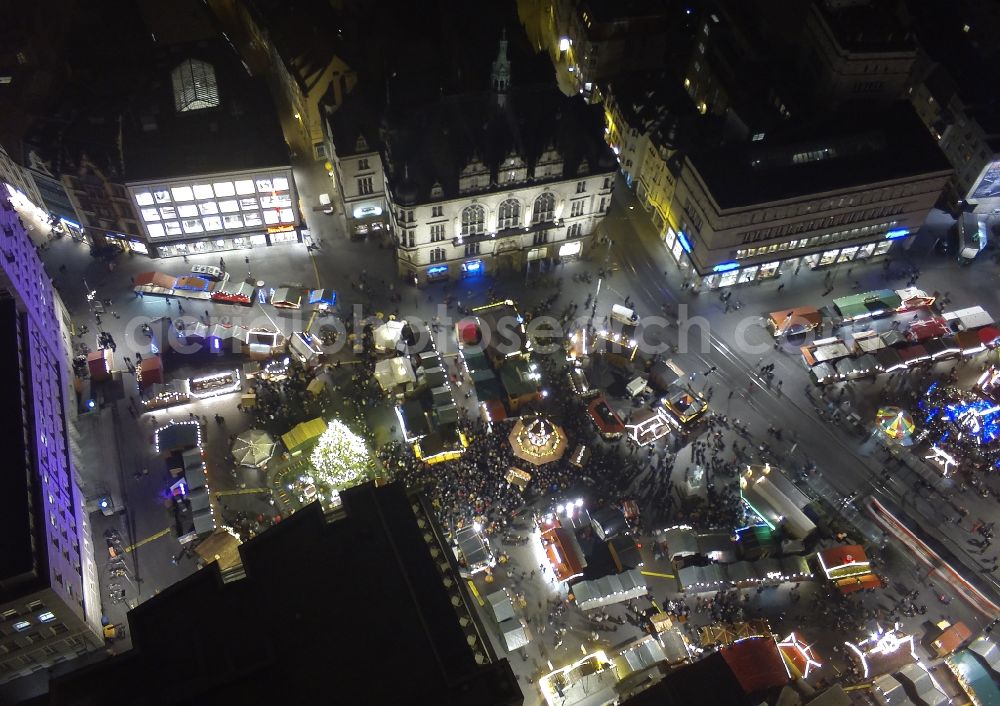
(781, 286)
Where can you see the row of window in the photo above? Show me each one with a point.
(816, 240)
(221, 189)
(217, 223)
(211, 208)
(575, 230)
(753, 236)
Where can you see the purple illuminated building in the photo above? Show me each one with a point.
(49, 597)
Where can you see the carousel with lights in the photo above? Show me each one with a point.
(961, 428)
(537, 440)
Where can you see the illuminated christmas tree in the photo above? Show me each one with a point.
(340, 457)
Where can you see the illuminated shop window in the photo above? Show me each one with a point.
(212, 223)
(193, 226)
(248, 204)
(264, 185)
(155, 230)
(244, 186)
(182, 193)
(150, 214)
(252, 219)
(168, 212)
(224, 188)
(233, 222)
(188, 210)
(229, 206)
(144, 198)
(286, 216)
(280, 184)
(203, 191)
(173, 227)
(22, 625)
(162, 196)
(271, 216)
(47, 617)
(208, 208)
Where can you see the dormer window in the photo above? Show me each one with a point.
(436, 190)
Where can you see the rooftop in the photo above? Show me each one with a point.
(836, 151)
(434, 144)
(230, 123)
(19, 564)
(306, 34)
(867, 26)
(355, 611)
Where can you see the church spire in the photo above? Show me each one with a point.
(501, 70)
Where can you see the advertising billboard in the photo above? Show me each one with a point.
(988, 186)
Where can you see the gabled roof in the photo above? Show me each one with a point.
(433, 144)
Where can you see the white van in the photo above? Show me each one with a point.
(624, 314)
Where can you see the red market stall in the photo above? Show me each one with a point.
(606, 419)
(149, 372)
(563, 552)
(920, 331)
(99, 364)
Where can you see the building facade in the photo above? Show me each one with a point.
(964, 142)
(49, 595)
(102, 204)
(353, 147)
(302, 47)
(740, 212)
(466, 202)
(217, 212)
(19, 178)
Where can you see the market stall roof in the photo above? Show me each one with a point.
(204, 522)
(913, 354)
(914, 298)
(674, 646)
(840, 556)
(951, 638)
(795, 319)
(220, 546)
(287, 296)
(391, 372)
(564, 553)
(253, 448)
(515, 635)
(972, 341)
(414, 419)
(303, 433)
(606, 590)
(888, 359)
(940, 347)
(893, 338)
(640, 657)
(150, 370)
(823, 372)
(224, 332)
(472, 547)
(987, 649)
(625, 552)
(173, 437)
(388, 335)
(867, 303)
(155, 279)
(988, 335)
(928, 693)
(757, 664)
(198, 498)
(499, 601)
(968, 319)
(976, 680)
(920, 331)
(891, 691)
(195, 477)
(605, 417)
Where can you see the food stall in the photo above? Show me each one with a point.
(287, 298)
(306, 348)
(648, 425)
(215, 384)
(608, 423)
(322, 299)
(234, 292)
(789, 322)
(517, 477)
(264, 343)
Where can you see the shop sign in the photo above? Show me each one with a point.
(473, 267)
(280, 229)
(367, 211)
